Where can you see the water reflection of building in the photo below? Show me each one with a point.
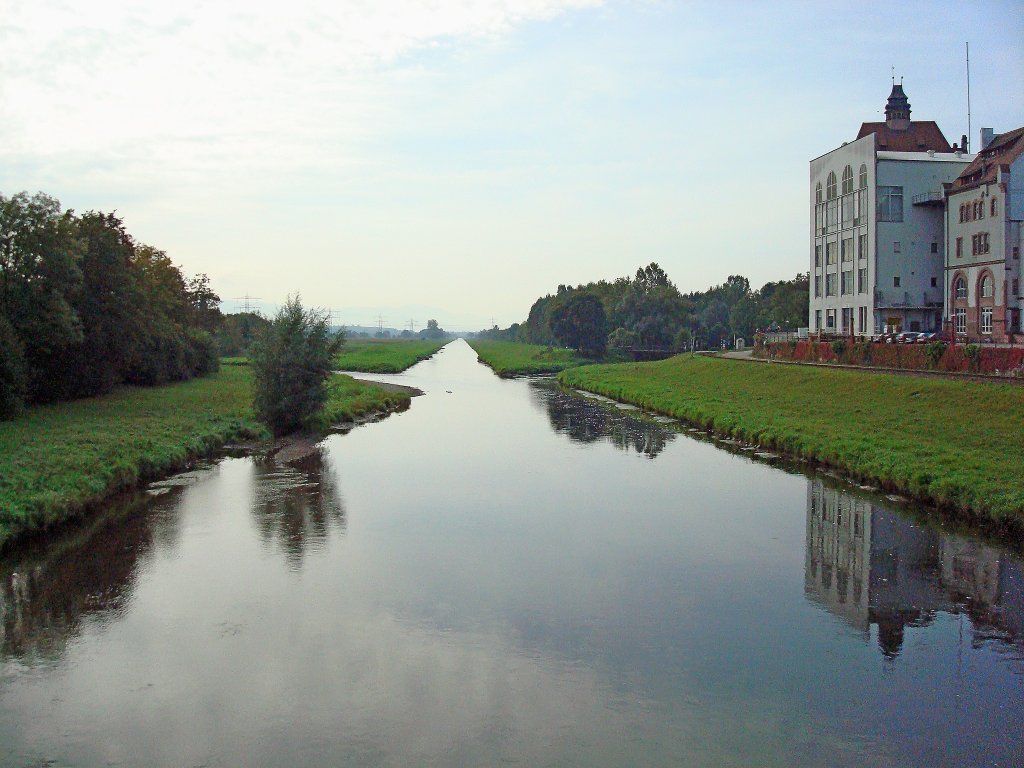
(871, 566)
(585, 421)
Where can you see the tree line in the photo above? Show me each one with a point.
(649, 312)
(85, 307)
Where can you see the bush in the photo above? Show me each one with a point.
(291, 361)
(838, 348)
(13, 372)
(934, 351)
(201, 354)
(973, 353)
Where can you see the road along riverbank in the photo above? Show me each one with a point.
(955, 444)
(59, 461)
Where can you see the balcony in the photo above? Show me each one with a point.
(929, 199)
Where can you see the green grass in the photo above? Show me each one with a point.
(509, 358)
(385, 355)
(57, 460)
(954, 443)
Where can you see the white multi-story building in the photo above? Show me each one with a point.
(984, 214)
(877, 247)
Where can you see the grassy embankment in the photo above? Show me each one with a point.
(953, 443)
(57, 460)
(385, 355)
(509, 358)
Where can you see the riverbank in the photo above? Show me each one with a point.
(385, 355)
(57, 461)
(508, 358)
(955, 444)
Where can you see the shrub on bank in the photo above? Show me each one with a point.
(291, 361)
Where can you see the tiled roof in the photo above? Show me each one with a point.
(1002, 150)
(921, 136)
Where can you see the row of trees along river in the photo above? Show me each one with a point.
(85, 307)
(649, 312)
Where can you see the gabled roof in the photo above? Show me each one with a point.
(1002, 150)
(921, 136)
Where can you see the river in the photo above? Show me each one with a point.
(510, 574)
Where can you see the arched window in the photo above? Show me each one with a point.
(847, 180)
(986, 286)
(981, 209)
(817, 193)
(992, 207)
(963, 212)
(960, 288)
(830, 185)
(863, 176)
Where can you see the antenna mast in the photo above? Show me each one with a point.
(968, 47)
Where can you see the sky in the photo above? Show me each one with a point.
(456, 159)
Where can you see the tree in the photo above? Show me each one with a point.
(579, 322)
(291, 361)
(40, 251)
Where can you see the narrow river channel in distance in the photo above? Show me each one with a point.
(509, 573)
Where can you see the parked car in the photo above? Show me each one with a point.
(926, 338)
(907, 337)
(884, 338)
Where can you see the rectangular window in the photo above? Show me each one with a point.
(890, 204)
(1016, 252)
(960, 320)
(896, 247)
(817, 255)
(830, 318)
(935, 282)
(896, 281)
(846, 249)
(862, 280)
(817, 319)
(984, 242)
(817, 286)
(986, 319)
(830, 253)
(1016, 287)
(862, 319)
(959, 247)
(862, 247)
(935, 247)
(847, 319)
(847, 210)
(833, 215)
(830, 284)
(847, 282)
(858, 217)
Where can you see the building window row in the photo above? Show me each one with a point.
(976, 210)
(979, 244)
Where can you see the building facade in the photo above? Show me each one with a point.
(984, 212)
(877, 255)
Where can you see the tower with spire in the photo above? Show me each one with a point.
(897, 108)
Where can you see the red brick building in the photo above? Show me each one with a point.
(984, 214)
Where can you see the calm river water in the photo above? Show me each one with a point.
(510, 574)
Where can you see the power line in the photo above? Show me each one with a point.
(247, 298)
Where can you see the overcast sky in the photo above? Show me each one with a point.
(458, 158)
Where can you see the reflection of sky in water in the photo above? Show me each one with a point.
(462, 584)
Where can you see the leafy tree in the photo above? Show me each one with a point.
(40, 251)
(204, 304)
(579, 322)
(291, 362)
(13, 372)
